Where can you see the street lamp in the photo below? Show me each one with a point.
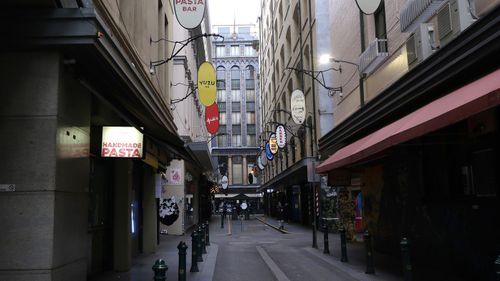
(269, 191)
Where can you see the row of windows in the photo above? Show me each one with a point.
(236, 95)
(235, 141)
(236, 118)
(236, 73)
(235, 51)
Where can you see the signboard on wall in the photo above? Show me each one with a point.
(121, 142)
(273, 144)
(212, 118)
(298, 107)
(207, 84)
(281, 136)
(189, 13)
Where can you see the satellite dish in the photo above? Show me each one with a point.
(368, 7)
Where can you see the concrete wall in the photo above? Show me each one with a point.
(45, 136)
(122, 242)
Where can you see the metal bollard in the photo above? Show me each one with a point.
(182, 260)
(343, 246)
(326, 246)
(203, 238)
(208, 234)
(221, 220)
(199, 250)
(194, 252)
(369, 253)
(160, 270)
(405, 254)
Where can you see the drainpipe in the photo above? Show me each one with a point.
(361, 75)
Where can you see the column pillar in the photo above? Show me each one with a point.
(245, 170)
(230, 169)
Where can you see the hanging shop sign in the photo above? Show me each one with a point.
(259, 163)
(121, 142)
(273, 144)
(207, 84)
(298, 106)
(189, 13)
(224, 182)
(212, 118)
(263, 158)
(368, 7)
(269, 154)
(281, 136)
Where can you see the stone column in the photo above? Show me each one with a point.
(245, 170)
(230, 169)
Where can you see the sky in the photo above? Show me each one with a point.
(223, 12)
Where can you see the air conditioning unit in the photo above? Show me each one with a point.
(454, 17)
(420, 44)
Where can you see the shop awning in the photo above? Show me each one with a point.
(471, 99)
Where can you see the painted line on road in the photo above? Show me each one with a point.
(280, 275)
(276, 228)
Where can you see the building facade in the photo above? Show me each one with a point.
(286, 56)
(415, 131)
(236, 146)
(69, 69)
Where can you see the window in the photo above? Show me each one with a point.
(380, 27)
(222, 118)
(250, 117)
(220, 51)
(237, 170)
(250, 95)
(221, 95)
(249, 51)
(223, 30)
(235, 50)
(235, 140)
(235, 95)
(251, 129)
(222, 141)
(235, 78)
(251, 140)
(222, 106)
(250, 106)
(236, 117)
(236, 106)
(221, 78)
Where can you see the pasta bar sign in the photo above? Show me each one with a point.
(121, 142)
(189, 13)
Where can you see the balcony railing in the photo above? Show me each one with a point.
(373, 56)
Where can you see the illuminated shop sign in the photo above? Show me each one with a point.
(121, 142)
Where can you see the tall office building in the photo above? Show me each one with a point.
(236, 146)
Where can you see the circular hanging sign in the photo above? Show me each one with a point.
(273, 144)
(206, 84)
(259, 163)
(298, 106)
(189, 13)
(263, 158)
(368, 7)
(281, 136)
(269, 154)
(212, 118)
(244, 206)
(224, 182)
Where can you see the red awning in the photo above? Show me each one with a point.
(471, 99)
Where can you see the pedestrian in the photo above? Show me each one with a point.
(280, 216)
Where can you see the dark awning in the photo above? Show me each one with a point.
(471, 99)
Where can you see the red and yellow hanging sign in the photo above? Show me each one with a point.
(207, 89)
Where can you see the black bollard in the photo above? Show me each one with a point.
(326, 246)
(343, 246)
(405, 254)
(182, 260)
(369, 253)
(203, 238)
(160, 270)
(497, 268)
(208, 234)
(199, 250)
(194, 252)
(221, 220)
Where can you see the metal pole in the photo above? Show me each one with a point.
(194, 252)
(315, 239)
(405, 254)
(182, 261)
(369, 253)
(201, 230)
(343, 246)
(199, 246)
(326, 245)
(160, 270)
(208, 233)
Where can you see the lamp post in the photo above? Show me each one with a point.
(324, 59)
(269, 191)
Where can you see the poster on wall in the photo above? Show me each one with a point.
(175, 176)
(189, 13)
(169, 210)
(121, 142)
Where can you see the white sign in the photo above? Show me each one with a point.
(281, 136)
(298, 107)
(189, 13)
(368, 7)
(121, 142)
(259, 163)
(224, 182)
(244, 206)
(7, 187)
(273, 144)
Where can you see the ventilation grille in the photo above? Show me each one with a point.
(444, 21)
(373, 56)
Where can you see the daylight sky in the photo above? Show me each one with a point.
(223, 12)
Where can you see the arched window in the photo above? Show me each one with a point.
(221, 84)
(250, 83)
(235, 83)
